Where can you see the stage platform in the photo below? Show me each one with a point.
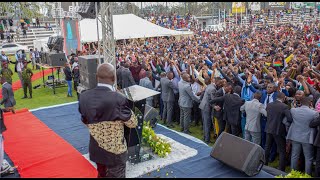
(193, 160)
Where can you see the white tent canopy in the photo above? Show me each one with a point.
(126, 26)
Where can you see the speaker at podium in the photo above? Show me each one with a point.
(137, 96)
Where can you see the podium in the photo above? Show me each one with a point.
(137, 97)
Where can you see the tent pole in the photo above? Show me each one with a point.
(99, 61)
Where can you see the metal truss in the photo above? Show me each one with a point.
(108, 42)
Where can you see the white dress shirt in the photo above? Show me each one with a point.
(270, 99)
(107, 85)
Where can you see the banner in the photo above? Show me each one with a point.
(277, 5)
(70, 29)
(300, 5)
(238, 7)
(254, 6)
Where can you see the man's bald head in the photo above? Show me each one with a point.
(105, 73)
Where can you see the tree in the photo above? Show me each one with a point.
(20, 9)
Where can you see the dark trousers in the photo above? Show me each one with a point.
(26, 85)
(118, 171)
(281, 144)
(75, 86)
(176, 109)
(196, 113)
(273, 154)
(233, 129)
(318, 162)
(37, 61)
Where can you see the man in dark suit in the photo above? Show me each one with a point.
(218, 106)
(106, 112)
(167, 96)
(126, 77)
(231, 110)
(275, 128)
(119, 74)
(7, 96)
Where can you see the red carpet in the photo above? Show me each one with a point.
(37, 151)
(17, 85)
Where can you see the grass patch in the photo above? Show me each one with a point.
(15, 76)
(43, 97)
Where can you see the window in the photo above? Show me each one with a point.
(9, 45)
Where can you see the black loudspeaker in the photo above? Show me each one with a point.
(56, 59)
(88, 68)
(239, 154)
(55, 43)
(87, 10)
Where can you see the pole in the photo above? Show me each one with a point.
(219, 18)
(241, 20)
(185, 8)
(212, 11)
(247, 16)
(99, 59)
(224, 18)
(229, 18)
(141, 9)
(236, 16)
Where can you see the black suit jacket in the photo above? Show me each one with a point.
(315, 124)
(276, 112)
(231, 107)
(98, 105)
(218, 114)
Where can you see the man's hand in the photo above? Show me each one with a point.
(300, 78)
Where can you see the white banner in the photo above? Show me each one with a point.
(254, 6)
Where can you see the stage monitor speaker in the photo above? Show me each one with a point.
(88, 9)
(239, 154)
(57, 59)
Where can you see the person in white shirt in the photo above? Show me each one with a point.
(33, 58)
(196, 90)
(34, 22)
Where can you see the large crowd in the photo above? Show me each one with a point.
(261, 84)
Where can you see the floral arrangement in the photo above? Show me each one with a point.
(158, 145)
(295, 174)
